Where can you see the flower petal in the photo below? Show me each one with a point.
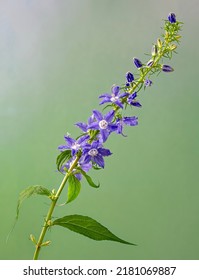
(99, 160)
(94, 125)
(104, 152)
(115, 90)
(105, 134)
(98, 115)
(132, 121)
(83, 139)
(82, 126)
(105, 95)
(109, 116)
(105, 100)
(70, 141)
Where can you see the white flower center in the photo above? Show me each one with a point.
(75, 146)
(93, 152)
(114, 98)
(103, 124)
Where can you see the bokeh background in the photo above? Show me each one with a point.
(56, 58)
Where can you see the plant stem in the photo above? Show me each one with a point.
(51, 209)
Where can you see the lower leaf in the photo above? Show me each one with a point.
(88, 227)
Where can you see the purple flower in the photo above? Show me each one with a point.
(137, 62)
(131, 100)
(95, 152)
(172, 18)
(74, 145)
(103, 123)
(131, 121)
(167, 68)
(148, 83)
(84, 166)
(129, 77)
(114, 97)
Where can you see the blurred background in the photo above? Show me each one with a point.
(56, 58)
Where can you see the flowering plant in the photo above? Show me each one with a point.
(78, 156)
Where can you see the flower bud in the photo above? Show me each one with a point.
(137, 62)
(129, 77)
(177, 37)
(150, 63)
(167, 68)
(172, 47)
(154, 50)
(166, 35)
(172, 18)
(159, 43)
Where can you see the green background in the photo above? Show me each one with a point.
(56, 58)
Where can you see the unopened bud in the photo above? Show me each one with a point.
(172, 18)
(172, 47)
(46, 243)
(167, 68)
(129, 77)
(150, 63)
(137, 62)
(159, 43)
(154, 50)
(32, 238)
(177, 37)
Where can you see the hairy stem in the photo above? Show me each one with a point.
(47, 221)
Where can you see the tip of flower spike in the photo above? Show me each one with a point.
(172, 18)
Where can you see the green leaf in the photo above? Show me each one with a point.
(74, 187)
(89, 179)
(29, 191)
(88, 227)
(64, 156)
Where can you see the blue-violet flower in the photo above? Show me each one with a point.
(74, 145)
(95, 152)
(114, 97)
(131, 100)
(103, 123)
(130, 121)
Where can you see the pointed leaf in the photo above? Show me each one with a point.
(74, 188)
(89, 179)
(29, 191)
(88, 227)
(64, 156)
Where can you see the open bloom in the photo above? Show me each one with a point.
(74, 145)
(132, 101)
(148, 83)
(84, 166)
(95, 152)
(103, 123)
(114, 97)
(130, 121)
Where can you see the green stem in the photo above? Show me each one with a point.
(51, 209)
